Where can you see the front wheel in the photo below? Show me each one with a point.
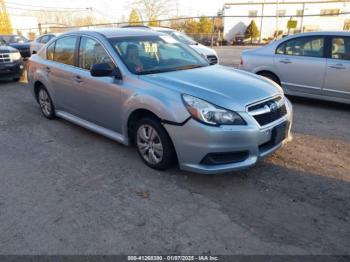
(153, 144)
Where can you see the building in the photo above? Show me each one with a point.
(272, 17)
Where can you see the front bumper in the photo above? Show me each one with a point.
(11, 70)
(194, 141)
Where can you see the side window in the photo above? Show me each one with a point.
(280, 49)
(341, 48)
(92, 52)
(44, 39)
(65, 50)
(50, 51)
(305, 46)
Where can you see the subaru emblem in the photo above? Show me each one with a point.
(273, 107)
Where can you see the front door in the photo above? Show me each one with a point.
(101, 94)
(301, 64)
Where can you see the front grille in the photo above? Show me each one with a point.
(213, 60)
(5, 58)
(269, 111)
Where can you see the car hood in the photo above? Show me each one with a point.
(20, 45)
(203, 49)
(224, 86)
(7, 49)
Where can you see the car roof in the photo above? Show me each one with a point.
(116, 32)
(162, 29)
(341, 33)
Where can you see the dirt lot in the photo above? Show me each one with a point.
(65, 190)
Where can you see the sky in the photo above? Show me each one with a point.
(114, 10)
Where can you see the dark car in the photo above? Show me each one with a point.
(11, 63)
(16, 41)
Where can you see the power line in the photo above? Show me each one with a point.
(39, 6)
(46, 10)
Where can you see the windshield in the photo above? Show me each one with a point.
(156, 54)
(183, 38)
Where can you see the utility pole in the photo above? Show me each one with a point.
(277, 16)
(212, 31)
(302, 19)
(261, 21)
(5, 22)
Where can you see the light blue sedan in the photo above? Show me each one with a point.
(145, 88)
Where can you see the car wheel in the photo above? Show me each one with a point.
(271, 76)
(45, 102)
(16, 79)
(153, 144)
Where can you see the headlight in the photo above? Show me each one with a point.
(210, 114)
(15, 56)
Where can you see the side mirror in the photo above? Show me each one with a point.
(104, 69)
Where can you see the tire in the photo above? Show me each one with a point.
(270, 76)
(46, 105)
(154, 144)
(16, 79)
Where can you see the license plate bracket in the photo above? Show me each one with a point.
(280, 132)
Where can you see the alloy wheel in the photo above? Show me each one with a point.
(149, 144)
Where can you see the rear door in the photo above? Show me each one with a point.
(301, 64)
(62, 74)
(337, 82)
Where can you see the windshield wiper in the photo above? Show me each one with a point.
(187, 67)
(153, 71)
(157, 71)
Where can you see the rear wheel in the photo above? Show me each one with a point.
(153, 144)
(45, 102)
(270, 76)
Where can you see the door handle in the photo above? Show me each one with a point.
(48, 70)
(285, 61)
(78, 79)
(337, 66)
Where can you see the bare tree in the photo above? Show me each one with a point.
(153, 9)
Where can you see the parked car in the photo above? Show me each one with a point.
(40, 41)
(19, 42)
(315, 65)
(146, 88)
(208, 53)
(11, 63)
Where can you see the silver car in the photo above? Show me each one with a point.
(315, 65)
(146, 88)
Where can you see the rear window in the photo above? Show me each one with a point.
(65, 50)
(50, 51)
(341, 48)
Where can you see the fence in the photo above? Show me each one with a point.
(223, 30)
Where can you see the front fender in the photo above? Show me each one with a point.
(167, 107)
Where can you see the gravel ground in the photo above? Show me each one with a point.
(66, 190)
